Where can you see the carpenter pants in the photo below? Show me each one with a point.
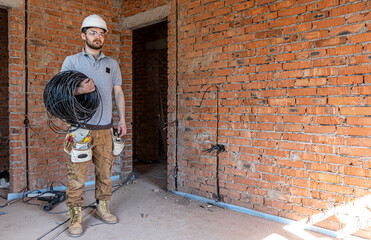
(102, 160)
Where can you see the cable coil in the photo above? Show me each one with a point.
(60, 101)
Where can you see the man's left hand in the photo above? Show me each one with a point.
(121, 128)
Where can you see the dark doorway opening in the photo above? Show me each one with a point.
(150, 84)
(4, 101)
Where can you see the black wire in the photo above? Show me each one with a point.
(127, 179)
(61, 102)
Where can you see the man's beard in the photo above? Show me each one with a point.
(96, 44)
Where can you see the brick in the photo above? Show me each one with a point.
(347, 29)
(304, 82)
(363, 17)
(294, 11)
(282, 22)
(334, 91)
(297, 46)
(297, 28)
(296, 119)
(289, 127)
(347, 9)
(321, 5)
(328, 120)
(364, 90)
(359, 38)
(319, 129)
(313, 16)
(281, 84)
(354, 131)
(333, 22)
(323, 177)
(281, 5)
(320, 34)
(344, 50)
(355, 110)
(265, 17)
(281, 101)
(364, 121)
(324, 139)
(359, 59)
(360, 182)
(334, 61)
(347, 80)
(364, 142)
(330, 42)
(322, 149)
(318, 72)
(285, 57)
(353, 151)
(269, 67)
(296, 65)
(302, 92)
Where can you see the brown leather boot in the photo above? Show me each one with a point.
(102, 212)
(75, 228)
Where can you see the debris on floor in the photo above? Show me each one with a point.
(4, 179)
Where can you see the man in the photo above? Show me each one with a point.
(104, 73)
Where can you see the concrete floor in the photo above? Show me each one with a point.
(146, 213)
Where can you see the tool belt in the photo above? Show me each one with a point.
(78, 144)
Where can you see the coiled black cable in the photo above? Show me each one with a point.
(60, 101)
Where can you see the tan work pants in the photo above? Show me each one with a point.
(102, 160)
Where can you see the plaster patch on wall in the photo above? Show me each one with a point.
(10, 3)
(146, 18)
(202, 62)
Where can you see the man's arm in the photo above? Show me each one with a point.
(85, 86)
(120, 105)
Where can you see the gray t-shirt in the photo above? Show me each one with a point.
(105, 72)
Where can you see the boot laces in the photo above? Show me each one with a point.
(104, 206)
(74, 213)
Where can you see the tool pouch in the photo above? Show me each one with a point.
(81, 152)
(117, 145)
(79, 145)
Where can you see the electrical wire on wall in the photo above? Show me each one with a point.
(26, 120)
(176, 94)
(218, 148)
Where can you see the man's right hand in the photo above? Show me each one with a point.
(86, 86)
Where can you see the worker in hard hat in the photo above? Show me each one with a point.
(103, 73)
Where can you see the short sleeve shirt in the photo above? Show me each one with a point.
(105, 72)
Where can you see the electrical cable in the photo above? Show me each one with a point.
(61, 102)
(217, 147)
(176, 167)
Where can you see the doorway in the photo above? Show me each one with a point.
(150, 86)
(4, 102)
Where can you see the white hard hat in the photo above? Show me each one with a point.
(94, 21)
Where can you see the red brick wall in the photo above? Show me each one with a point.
(295, 104)
(53, 34)
(4, 96)
(149, 91)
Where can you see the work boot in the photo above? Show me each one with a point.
(102, 212)
(75, 228)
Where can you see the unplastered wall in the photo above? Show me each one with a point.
(52, 34)
(294, 104)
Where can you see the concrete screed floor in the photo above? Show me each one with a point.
(147, 211)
